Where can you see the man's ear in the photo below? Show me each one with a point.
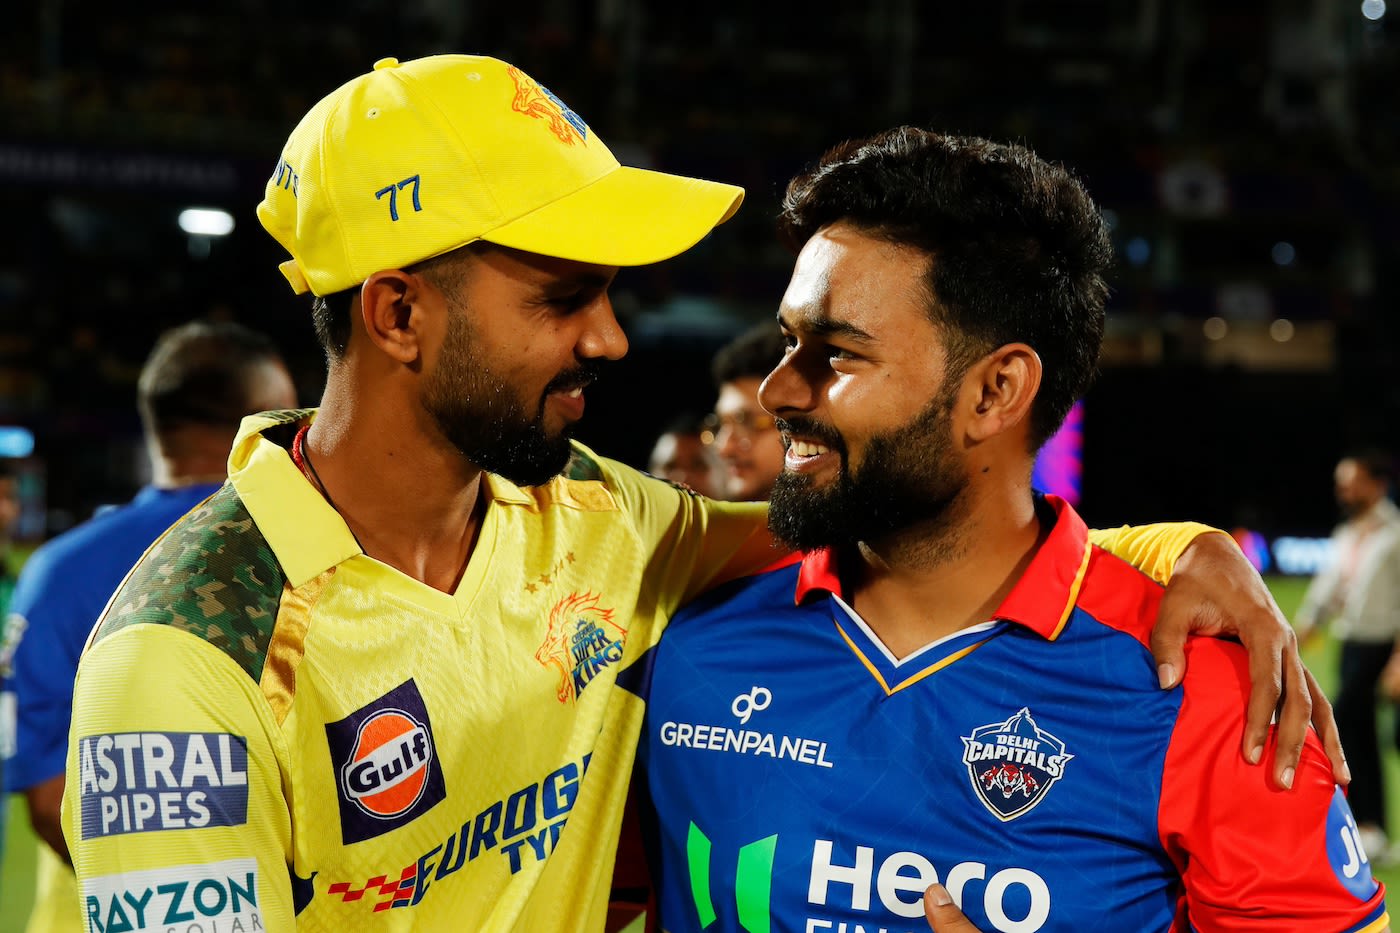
(387, 303)
(1003, 385)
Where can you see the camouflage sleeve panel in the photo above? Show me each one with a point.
(212, 575)
(582, 467)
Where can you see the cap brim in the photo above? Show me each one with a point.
(629, 217)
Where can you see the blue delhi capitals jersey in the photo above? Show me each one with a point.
(802, 779)
(60, 594)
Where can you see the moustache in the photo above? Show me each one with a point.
(580, 377)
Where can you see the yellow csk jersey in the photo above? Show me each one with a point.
(273, 731)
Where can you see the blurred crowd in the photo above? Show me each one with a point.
(1213, 133)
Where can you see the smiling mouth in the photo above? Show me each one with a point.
(807, 448)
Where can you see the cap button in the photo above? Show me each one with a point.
(386, 63)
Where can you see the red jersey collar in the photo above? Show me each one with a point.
(1042, 598)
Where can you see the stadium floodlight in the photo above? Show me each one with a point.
(206, 221)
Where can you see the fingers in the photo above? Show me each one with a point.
(1326, 728)
(1293, 716)
(943, 915)
(1268, 655)
(1168, 641)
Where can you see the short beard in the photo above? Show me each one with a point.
(909, 476)
(481, 416)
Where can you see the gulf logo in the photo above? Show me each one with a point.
(389, 764)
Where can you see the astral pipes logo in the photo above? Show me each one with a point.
(387, 771)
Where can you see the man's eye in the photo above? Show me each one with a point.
(567, 302)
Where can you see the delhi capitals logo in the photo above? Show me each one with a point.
(582, 640)
(1013, 764)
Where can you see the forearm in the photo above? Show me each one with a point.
(1157, 550)
(45, 801)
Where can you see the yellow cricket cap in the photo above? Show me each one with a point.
(418, 158)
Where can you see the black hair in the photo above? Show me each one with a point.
(330, 314)
(1017, 248)
(1377, 462)
(752, 355)
(201, 373)
(684, 423)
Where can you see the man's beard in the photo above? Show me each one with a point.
(483, 418)
(908, 476)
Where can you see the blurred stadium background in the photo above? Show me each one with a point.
(1244, 154)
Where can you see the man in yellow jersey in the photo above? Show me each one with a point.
(197, 383)
(366, 684)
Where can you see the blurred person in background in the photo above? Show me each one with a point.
(681, 455)
(194, 389)
(1359, 594)
(11, 557)
(743, 436)
(10, 562)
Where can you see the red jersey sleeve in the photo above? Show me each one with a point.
(1254, 856)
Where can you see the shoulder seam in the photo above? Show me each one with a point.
(211, 574)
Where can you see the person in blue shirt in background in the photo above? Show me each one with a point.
(198, 383)
(10, 562)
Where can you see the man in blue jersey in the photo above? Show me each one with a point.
(947, 699)
(196, 386)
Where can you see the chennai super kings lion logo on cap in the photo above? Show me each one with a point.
(1013, 764)
(535, 100)
(582, 640)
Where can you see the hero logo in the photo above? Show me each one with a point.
(856, 882)
(901, 878)
(387, 769)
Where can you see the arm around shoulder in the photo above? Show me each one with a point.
(1252, 853)
(1153, 549)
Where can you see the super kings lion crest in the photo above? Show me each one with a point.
(535, 100)
(582, 640)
